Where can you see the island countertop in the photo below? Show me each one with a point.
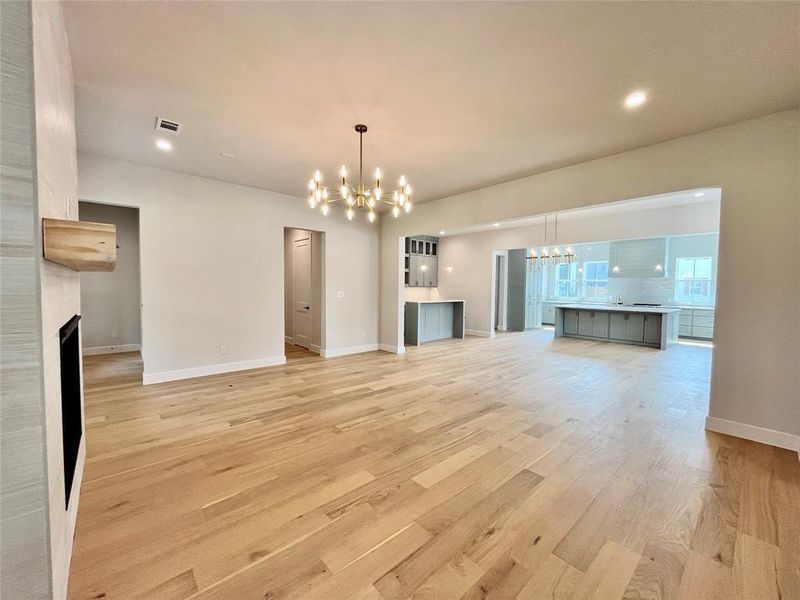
(659, 310)
(431, 301)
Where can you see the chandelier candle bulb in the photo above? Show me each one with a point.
(396, 212)
(371, 217)
(343, 173)
(325, 209)
(350, 214)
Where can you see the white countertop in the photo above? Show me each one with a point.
(431, 301)
(598, 304)
(659, 310)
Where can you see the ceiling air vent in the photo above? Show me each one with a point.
(172, 127)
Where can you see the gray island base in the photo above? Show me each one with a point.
(651, 326)
(429, 320)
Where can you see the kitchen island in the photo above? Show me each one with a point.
(428, 320)
(653, 326)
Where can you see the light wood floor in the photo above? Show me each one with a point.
(517, 467)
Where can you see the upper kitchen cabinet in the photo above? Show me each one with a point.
(422, 261)
(638, 258)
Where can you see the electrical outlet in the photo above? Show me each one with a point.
(223, 349)
(115, 334)
(363, 335)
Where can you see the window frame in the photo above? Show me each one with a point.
(572, 280)
(585, 279)
(692, 299)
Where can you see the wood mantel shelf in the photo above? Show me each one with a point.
(80, 245)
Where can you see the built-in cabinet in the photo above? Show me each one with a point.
(524, 293)
(433, 320)
(422, 261)
(697, 323)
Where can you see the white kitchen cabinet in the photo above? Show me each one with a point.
(697, 323)
(548, 313)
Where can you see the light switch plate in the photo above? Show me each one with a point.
(340, 294)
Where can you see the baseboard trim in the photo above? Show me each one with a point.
(315, 348)
(333, 352)
(288, 339)
(392, 349)
(754, 433)
(479, 333)
(245, 365)
(111, 349)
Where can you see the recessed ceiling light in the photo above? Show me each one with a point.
(163, 144)
(635, 99)
(698, 194)
(441, 232)
(226, 154)
(497, 224)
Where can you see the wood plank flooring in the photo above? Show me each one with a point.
(514, 467)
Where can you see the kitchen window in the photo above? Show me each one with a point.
(595, 280)
(693, 280)
(567, 281)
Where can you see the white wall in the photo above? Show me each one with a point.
(60, 286)
(317, 306)
(470, 255)
(755, 380)
(110, 312)
(212, 269)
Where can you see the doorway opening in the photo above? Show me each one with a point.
(303, 293)
(111, 303)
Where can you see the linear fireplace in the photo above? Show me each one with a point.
(71, 423)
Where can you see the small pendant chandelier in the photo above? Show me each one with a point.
(360, 196)
(557, 257)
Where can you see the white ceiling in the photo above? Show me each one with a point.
(456, 95)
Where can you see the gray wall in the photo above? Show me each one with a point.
(110, 302)
(24, 543)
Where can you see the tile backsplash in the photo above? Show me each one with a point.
(639, 289)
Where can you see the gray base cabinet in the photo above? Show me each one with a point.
(626, 327)
(630, 326)
(427, 321)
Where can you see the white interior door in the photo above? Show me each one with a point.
(301, 277)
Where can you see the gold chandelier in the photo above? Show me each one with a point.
(557, 257)
(360, 196)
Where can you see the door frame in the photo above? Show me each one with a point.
(499, 289)
(318, 304)
(311, 309)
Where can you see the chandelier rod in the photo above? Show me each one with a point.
(360, 159)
